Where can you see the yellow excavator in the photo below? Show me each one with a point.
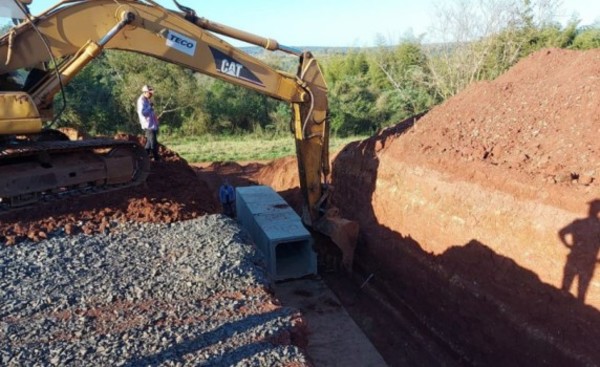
(54, 46)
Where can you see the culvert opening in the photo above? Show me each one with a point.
(293, 259)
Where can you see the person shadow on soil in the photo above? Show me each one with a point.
(583, 238)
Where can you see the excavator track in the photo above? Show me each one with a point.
(36, 171)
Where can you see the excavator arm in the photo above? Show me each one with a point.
(76, 31)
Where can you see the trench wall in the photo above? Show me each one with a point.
(440, 212)
(481, 265)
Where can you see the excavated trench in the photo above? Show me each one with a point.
(479, 221)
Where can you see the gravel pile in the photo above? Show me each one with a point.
(189, 293)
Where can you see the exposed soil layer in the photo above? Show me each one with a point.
(483, 214)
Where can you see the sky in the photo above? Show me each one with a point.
(336, 23)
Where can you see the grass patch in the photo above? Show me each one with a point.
(196, 149)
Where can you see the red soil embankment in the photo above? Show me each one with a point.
(483, 210)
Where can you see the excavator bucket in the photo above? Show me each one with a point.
(343, 232)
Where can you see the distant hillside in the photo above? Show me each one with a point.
(324, 50)
(320, 50)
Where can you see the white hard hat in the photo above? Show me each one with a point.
(147, 88)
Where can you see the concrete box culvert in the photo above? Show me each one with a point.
(277, 231)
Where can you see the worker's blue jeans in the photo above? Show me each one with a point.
(152, 143)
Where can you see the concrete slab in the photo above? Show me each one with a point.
(334, 339)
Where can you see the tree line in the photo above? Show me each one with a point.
(369, 88)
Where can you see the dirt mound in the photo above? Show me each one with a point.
(541, 119)
(171, 193)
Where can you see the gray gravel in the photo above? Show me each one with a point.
(189, 293)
